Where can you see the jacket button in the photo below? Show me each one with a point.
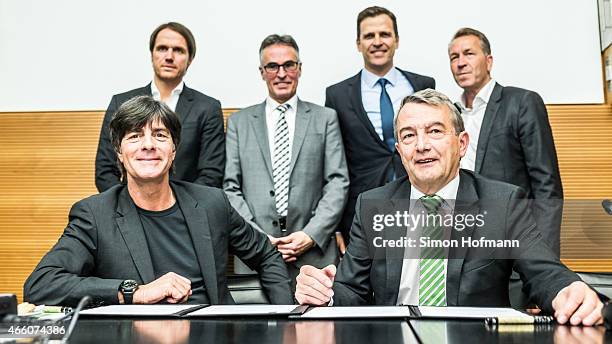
(274, 223)
(272, 193)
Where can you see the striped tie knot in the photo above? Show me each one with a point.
(282, 108)
(432, 203)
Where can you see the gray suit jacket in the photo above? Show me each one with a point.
(516, 146)
(371, 275)
(104, 244)
(318, 182)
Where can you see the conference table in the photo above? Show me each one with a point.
(276, 330)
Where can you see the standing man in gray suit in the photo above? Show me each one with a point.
(201, 156)
(286, 172)
(511, 138)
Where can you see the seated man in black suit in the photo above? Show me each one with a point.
(431, 140)
(152, 240)
(201, 156)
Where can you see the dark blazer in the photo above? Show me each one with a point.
(516, 146)
(367, 156)
(104, 244)
(200, 157)
(371, 275)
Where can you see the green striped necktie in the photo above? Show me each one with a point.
(432, 284)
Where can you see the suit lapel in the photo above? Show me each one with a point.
(302, 122)
(414, 81)
(258, 123)
(357, 106)
(466, 203)
(487, 123)
(185, 103)
(130, 227)
(146, 90)
(395, 257)
(199, 229)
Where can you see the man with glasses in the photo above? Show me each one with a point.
(286, 172)
(201, 156)
(366, 103)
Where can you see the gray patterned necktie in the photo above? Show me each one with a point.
(280, 161)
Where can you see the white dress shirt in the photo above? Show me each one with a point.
(398, 88)
(472, 119)
(409, 282)
(174, 95)
(272, 118)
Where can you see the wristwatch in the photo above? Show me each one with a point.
(128, 288)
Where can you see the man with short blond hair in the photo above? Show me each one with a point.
(366, 104)
(511, 138)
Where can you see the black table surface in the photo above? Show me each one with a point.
(260, 331)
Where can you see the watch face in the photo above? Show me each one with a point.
(128, 286)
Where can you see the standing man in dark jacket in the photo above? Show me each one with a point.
(511, 139)
(366, 104)
(201, 156)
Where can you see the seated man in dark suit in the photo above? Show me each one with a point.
(201, 156)
(152, 240)
(431, 140)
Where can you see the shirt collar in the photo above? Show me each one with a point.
(482, 96)
(176, 91)
(370, 79)
(272, 104)
(448, 192)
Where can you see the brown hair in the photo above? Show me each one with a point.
(181, 30)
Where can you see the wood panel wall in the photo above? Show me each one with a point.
(47, 164)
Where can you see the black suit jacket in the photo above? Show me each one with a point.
(371, 275)
(200, 157)
(104, 244)
(368, 157)
(516, 146)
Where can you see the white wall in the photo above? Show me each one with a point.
(73, 55)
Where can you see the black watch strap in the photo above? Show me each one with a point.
(127, 289)
(128, 298)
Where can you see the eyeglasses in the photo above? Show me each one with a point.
(289, 66)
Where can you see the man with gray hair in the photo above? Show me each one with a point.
(153, 239)
(286, 172)
(511, 139)
(384, 267)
